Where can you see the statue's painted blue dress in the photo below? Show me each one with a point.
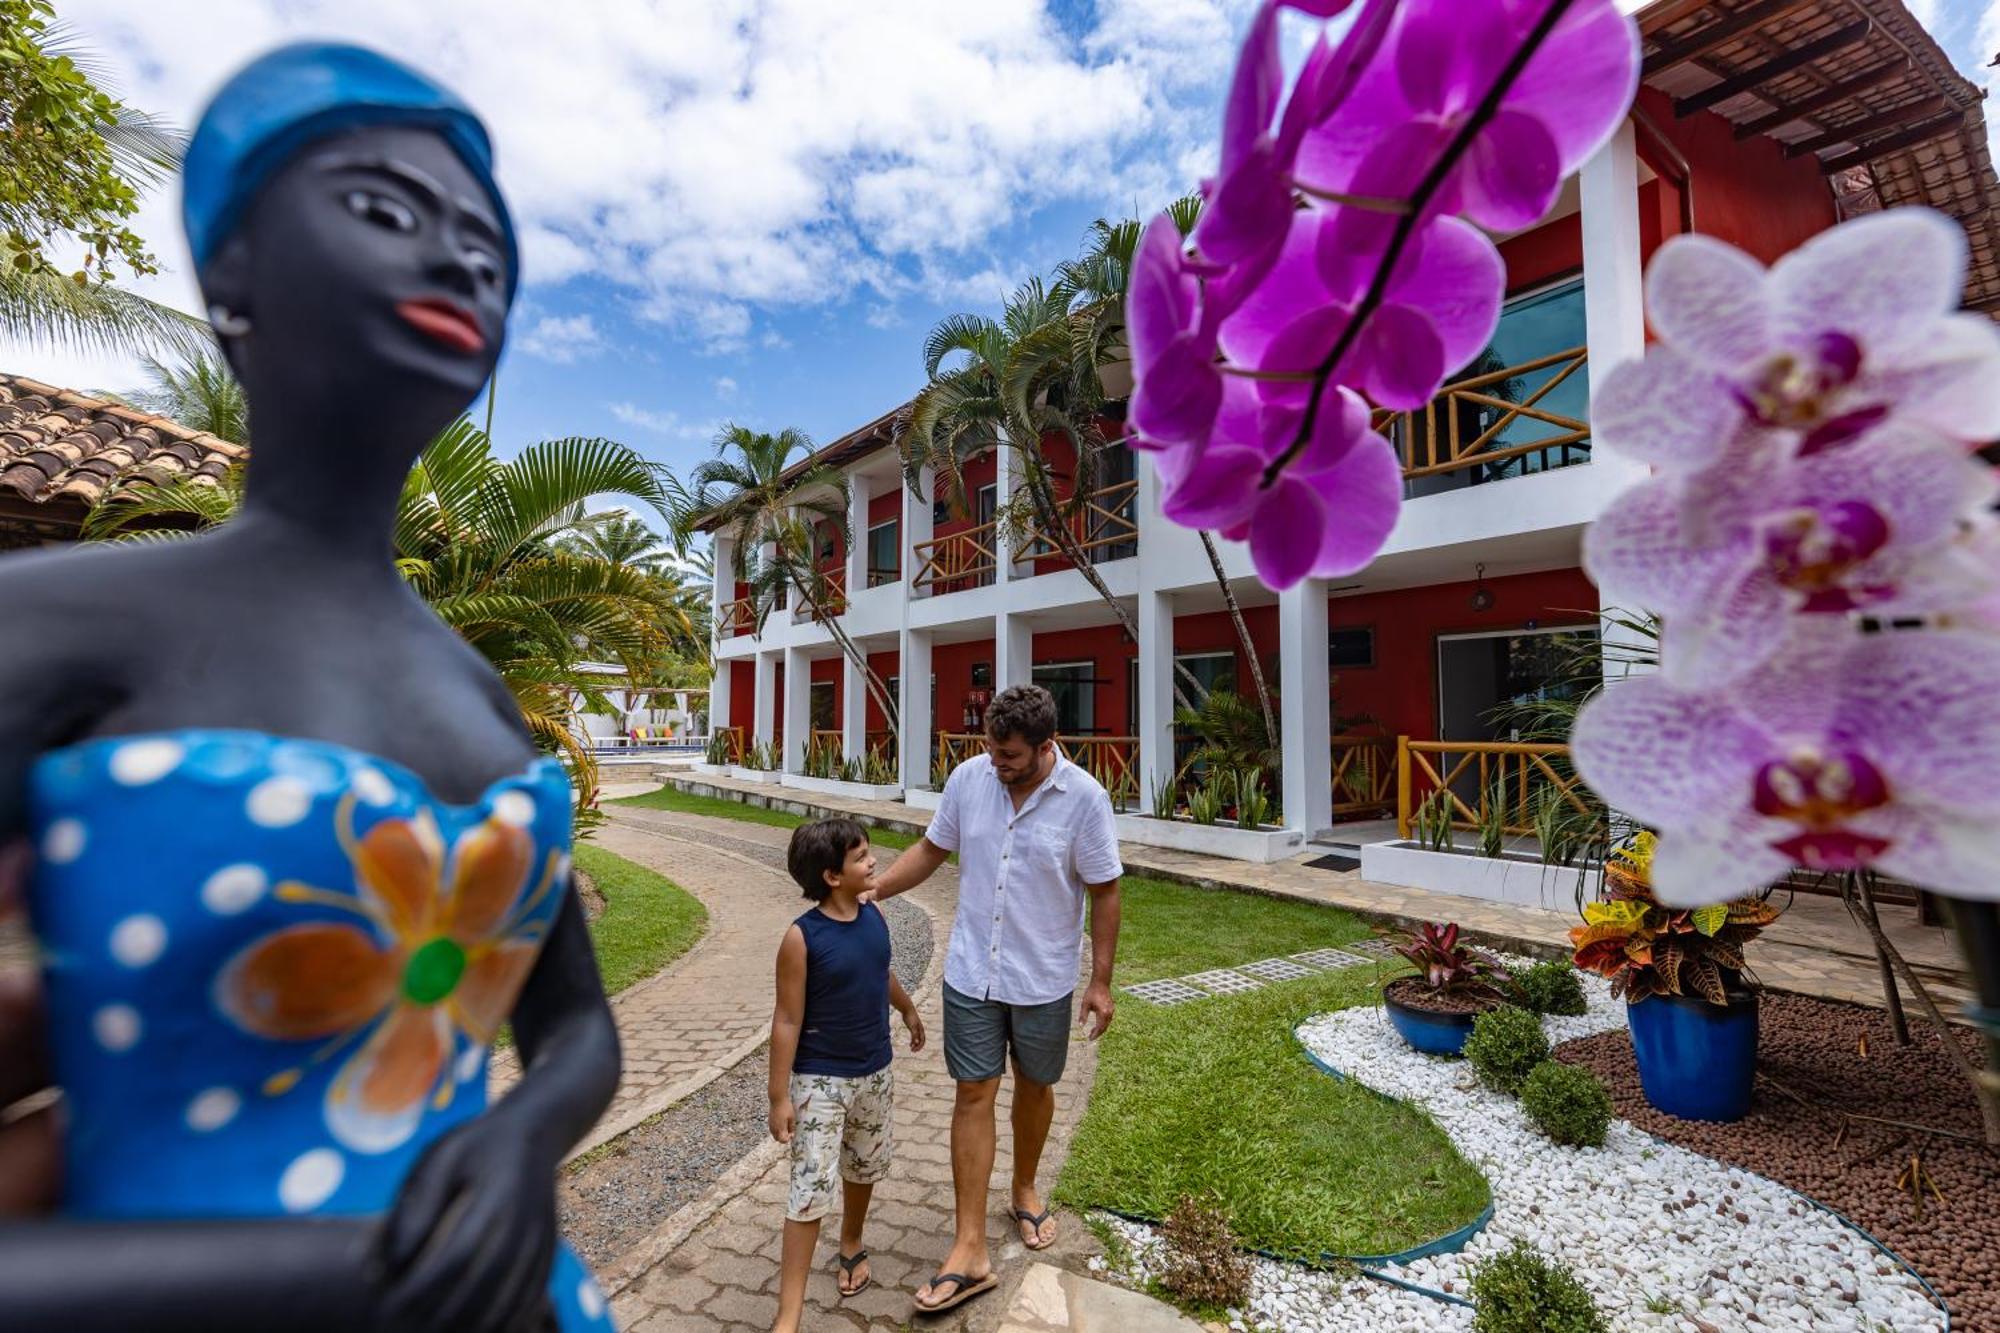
(275, 966)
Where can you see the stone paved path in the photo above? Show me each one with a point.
(711, 1008)
(722, 1271)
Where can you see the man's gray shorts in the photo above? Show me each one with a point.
(978, 1033)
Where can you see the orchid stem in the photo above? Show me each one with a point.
(1406, 225)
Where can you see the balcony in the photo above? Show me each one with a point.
(737, 617)
(957, 561)
(1104, 527)
(829, 598)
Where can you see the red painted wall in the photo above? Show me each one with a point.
(884, 665)
(1745, 192)
(1107, 648)
(1399, 693)
(1215, 632)
(952, 663)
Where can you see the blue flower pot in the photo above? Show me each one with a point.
(1696, 1060)
(1433, 1034)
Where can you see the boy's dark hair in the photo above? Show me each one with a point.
(1027, 711)
(819, 847)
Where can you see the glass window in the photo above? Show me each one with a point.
(1351, 647)
(1211, 670)
(821, 695)
(884, 553)
(1074, 686)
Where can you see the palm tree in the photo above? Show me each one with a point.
(616, 536)
(1100, 277)
(776, 522)
(200, 393)
(473, 537)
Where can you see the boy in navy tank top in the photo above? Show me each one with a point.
(831, 1091)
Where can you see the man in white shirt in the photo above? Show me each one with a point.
(1035, 839)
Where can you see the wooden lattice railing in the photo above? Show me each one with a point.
(1107, 519)
(1432, 441)
(957, 561)
(1112, 760)
(735, 743)
(1516, 774)
(830, 595)
(737, 617)
(1364, 775)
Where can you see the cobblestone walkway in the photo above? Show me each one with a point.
(721, 1272)
(712, 1008)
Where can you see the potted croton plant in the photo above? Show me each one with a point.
(1454, 984)
(1681, 973)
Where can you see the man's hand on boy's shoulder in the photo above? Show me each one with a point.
(783, 1120)
(914, 1021)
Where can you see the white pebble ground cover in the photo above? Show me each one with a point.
(1663, 1237)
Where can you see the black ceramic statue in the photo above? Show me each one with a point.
(295, 859)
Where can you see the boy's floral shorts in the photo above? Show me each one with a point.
(848, 1119)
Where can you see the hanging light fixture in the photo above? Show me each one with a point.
(1482, 597)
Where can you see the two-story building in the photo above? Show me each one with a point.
(1761, 123)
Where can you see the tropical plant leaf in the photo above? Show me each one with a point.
(1710, 919)
(1700, 976)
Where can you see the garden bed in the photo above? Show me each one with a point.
(1261, 845)
(1814, 1049)
(742, 774)
(857, 791)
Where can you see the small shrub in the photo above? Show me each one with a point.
(1551, 988)
(1521, 1292)
(1567, 1103)
(1505, 1046)
(1202, 1264)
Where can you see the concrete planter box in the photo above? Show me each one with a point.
(712, 770)
(859, 791)
(922, 798)
(1510, 878)
(1226, 840)
(742, 774)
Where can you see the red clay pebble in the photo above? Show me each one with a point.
(1813, 1048)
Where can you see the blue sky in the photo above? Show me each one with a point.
(752, 210)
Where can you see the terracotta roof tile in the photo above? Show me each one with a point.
(60, 445)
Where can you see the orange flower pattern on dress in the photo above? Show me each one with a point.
(446, 948)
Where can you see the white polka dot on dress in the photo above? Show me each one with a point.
(116, 1027)
(589, 1299)
(138, 940)
(64, 841)
(470, 1061)
(233, 889)
(311, 1180)
(137, 763)
(213, 1109)
(371, 786)
(514, 807)
(278, 802)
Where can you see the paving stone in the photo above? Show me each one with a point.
(1277, 969)
(1165, 992)
(1329, 958)
(1222, 981)
(742, 1307)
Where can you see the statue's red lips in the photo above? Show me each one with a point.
(446, 321)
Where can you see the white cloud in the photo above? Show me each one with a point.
(725, 387)
(723, 157)
(561, 338)
(662, 423)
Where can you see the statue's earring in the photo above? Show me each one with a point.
(227, 322)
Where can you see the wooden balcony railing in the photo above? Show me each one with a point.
(1476, 773)
(1432, 441)
(1364, 775)
(737, 617)
(882, 743)
(1105, 527)
(821, 742)
(957, 561)
(831, 595)
(735, 743)
(1112, 760)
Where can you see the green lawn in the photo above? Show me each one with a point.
(647, 921)
(673, 798)
(1171, 930)
(1217, 1098)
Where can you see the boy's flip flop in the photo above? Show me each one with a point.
(1034, 1221)
(847, 1267)
(964, 1289)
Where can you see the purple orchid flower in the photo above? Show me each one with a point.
(1725, 557)
(1859, 323)
(1848, 751)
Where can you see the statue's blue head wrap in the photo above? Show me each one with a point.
(280, 102)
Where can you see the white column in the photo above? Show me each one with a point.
(1013, 650)
(853, 710)
(917, 527)
(1613, 281)
(859, 493)
(764, 702)
(719, 697)
(1306, 723)
(1006, 475)
(913, 747)
(798, 709)
(723, 549)
(1156, 695)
